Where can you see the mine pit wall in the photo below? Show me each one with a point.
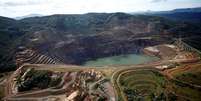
(80, 52)
(80, 49)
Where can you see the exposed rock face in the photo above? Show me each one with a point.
(74, 39)
(93, 47)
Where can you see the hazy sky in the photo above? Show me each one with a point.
(13, 8)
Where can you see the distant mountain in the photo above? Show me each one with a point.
(195, 10)
(28, 16)
(191, 15)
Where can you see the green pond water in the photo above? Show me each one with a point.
(121, 60)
